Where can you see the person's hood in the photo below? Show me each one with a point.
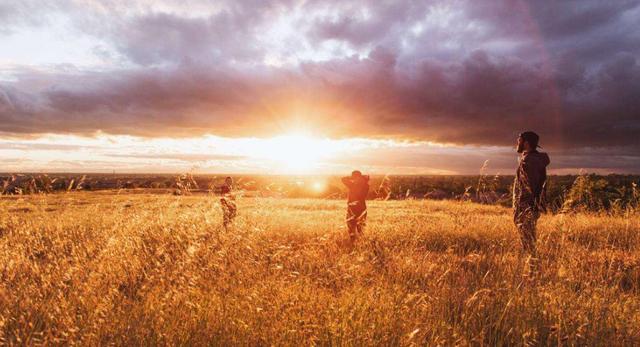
(539, 157)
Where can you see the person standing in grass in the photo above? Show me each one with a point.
(228, 202)
(358, 186)
(529, 192)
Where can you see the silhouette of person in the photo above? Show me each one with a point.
(358, 186)
(228, 202)
(529, 191)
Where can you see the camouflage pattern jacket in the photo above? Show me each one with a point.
(530, 182)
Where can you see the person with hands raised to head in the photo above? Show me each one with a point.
(358, 189)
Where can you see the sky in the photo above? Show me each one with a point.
(302, 86)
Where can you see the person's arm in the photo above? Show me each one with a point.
(222, 190)
(347, 181)
(531, 178)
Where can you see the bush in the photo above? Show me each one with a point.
(595, 193)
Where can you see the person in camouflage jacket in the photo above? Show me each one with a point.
(529, 189)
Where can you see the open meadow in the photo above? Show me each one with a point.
(93, 268)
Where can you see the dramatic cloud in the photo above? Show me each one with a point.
(463, 72)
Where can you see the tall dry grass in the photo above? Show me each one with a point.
(93, 268)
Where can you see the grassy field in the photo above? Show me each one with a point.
(100, 268)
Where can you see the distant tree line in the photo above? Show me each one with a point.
(588, 192)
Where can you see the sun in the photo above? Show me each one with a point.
(318, 186)
(295, 152)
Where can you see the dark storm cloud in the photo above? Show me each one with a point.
(577, 18)
(467, 72)
(481, 100)
(159, 38)
(180, 101)
(151, 37)
(373, 22)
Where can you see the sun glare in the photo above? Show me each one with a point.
(318, 186)
(295, 152)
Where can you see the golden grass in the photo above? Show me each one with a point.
(95, 268)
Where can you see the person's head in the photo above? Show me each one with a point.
(228, 181)
(527, 141)
(357, 176)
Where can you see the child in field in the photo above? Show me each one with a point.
(358, 186)
(228, 202)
